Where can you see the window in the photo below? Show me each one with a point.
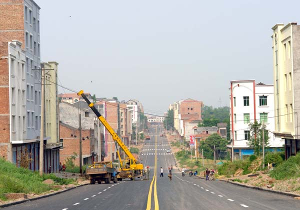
(12, 66)
(234, 101)
(31, 42)
(291, 112)
(246, 118)
(32, 119)
(36, 123)
(34, 24)
(24, 124)
(39, 50)
(23, 97)
(289, 49)
(13, 100)
(26, 40)
(264, 117)
(27, 92)
(247, 135)
(36, 98)
(234, 118)
(86, 114)
(290, 81)
(30, 16)
(38, 26)
(284, 53)
(13, 127)
(246, 100)
(285, 82)
(263, 100)
(286, 112)
(28, 119)
(26, 15)
(34, 48)
(188, 108)
(235, 135)
(32, 93)
(191, 108)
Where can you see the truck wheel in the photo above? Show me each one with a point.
(99, 181)
(115, 180)
(107, 181)
(92, 181)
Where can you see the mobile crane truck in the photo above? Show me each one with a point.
(130, 167)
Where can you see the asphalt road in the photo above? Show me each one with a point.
(181, 193)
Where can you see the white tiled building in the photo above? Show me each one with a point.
(250, 102)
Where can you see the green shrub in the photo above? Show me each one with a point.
(252, 158)
(273, 158)
(287, 169)
(134, 150)
(237, 180)
(230, 168)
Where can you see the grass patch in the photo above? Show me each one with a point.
(287, 169)
(238, 180)
(21, 180)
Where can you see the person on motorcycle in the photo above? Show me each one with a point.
(183, 172)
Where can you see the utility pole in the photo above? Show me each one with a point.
(215, 154)
(263, 143)
(42, 123)
(80, 143)
(231, 150)
(202, 158)
(136, 133)
(196, 148)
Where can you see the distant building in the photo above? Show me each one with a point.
(72, 98)
(201, 133)
(156, 119)
(250, 102)
(286, 64)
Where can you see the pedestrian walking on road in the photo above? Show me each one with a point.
(161, 172)
(207, 172)
(170, 174)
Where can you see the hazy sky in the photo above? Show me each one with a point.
(161, 51)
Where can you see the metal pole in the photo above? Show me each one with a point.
(263, 144)
(215, 154)
(80, 144)
(202, 158)
(231, 150)
(196, 148)
(136, 133)
(99, 141)
(42, 124)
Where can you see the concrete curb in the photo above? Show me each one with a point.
(40, 197)
(262, 189)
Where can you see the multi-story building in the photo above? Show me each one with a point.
(51, 123)
(156, 119)
(286, 62)
(176, 115)
(19, 20)
(250, 102)
(125, 124)
(189, 110)
(69, 131)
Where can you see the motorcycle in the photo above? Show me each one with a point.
(183, 174)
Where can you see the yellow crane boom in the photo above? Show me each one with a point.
(115, 137)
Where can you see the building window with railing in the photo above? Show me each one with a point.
(247, 135)
(263, 117)
(246, 100)
(263, 100)
(246, 118)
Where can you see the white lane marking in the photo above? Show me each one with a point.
(202, 188)
(113, 185)
(212, 192)
(198, 186)
(206, 190)
(86, 199)
(194, 184)
(243, 205)
(108, 187)
(93, 196)
(65, 209)
(75, 204)
(221, 196)
(230, 199)
(104, 190)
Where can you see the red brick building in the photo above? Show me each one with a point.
(69, 137)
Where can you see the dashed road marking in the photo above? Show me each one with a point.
(206, 190)
(243, 205)
(108, 187)
(75, 204)
(202, 188)
(221, 196)
(93, 196)
(104, 190)
(194, 184)
(212, 192)
(65, 209)
(99, 193)
(230, 199)
(86, 199)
